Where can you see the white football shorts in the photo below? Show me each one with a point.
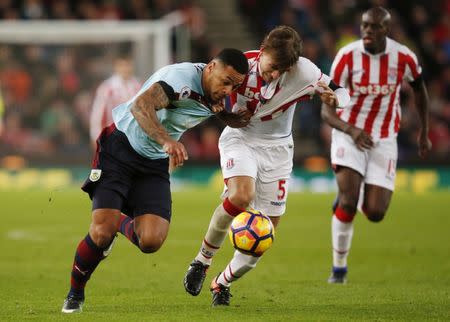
(377, 165)
(269, 164)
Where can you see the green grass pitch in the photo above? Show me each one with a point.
(398, 269)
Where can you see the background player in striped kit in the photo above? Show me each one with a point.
(118, 88)
(256, 160)
(372, 69)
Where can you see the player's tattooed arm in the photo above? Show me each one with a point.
(144, 111)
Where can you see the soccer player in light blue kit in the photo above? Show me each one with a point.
(129, 182)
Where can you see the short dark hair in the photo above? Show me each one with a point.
(285, 44)
(234, 58)
(380, 13)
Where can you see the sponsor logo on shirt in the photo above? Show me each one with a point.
(375, 89)
(392, 73)
(251, 94)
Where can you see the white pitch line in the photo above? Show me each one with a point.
(24, 235)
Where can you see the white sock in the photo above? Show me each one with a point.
(217, 231)
(237, 267)
(341, 233)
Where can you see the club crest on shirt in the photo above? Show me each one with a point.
(184, 93)
(230, 163)
(340, 152)
(95, 174)
(392, 73)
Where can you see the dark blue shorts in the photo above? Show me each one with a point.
(123, 179)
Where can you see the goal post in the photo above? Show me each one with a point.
(151, 40)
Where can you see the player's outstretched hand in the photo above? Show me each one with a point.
(243, 118)
(424, 144)
(361, 138)
(326, 94)
(176, 152)
(217, 107)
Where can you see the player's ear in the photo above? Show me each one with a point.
(211, 66)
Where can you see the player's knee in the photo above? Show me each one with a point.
(374, 215)
(348, 204)
(375, 212)
(241, 199)
(102, 235)
(348, 207)
(150, 244)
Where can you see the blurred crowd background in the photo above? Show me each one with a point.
(47, 91)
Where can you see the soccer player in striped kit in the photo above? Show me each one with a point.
(256, 160)
(115, 90)
(372, 69)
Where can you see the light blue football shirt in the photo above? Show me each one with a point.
(185, 79)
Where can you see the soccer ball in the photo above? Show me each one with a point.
(251, 232)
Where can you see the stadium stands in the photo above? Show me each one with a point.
(48, 90)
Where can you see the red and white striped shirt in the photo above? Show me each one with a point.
(374, 83)
(111, 92)
(273, 104)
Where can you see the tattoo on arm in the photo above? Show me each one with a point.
(144, 111)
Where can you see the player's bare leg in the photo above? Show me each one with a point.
(151, 231)
(241, 191)
(148, 232)
(349, 182)
(376, 202)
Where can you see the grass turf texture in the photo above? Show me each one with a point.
(398, 270)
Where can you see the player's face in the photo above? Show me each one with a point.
(373, 32)
(268, 67)
(221, 81)
(124, 68)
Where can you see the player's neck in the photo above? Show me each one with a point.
(377, 50)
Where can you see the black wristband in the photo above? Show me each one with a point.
(333, 86)
(417, 83)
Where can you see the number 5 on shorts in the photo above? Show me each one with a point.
(281, 189)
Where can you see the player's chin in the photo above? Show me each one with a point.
(217, 98)
(369, 44)
(267, 79)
